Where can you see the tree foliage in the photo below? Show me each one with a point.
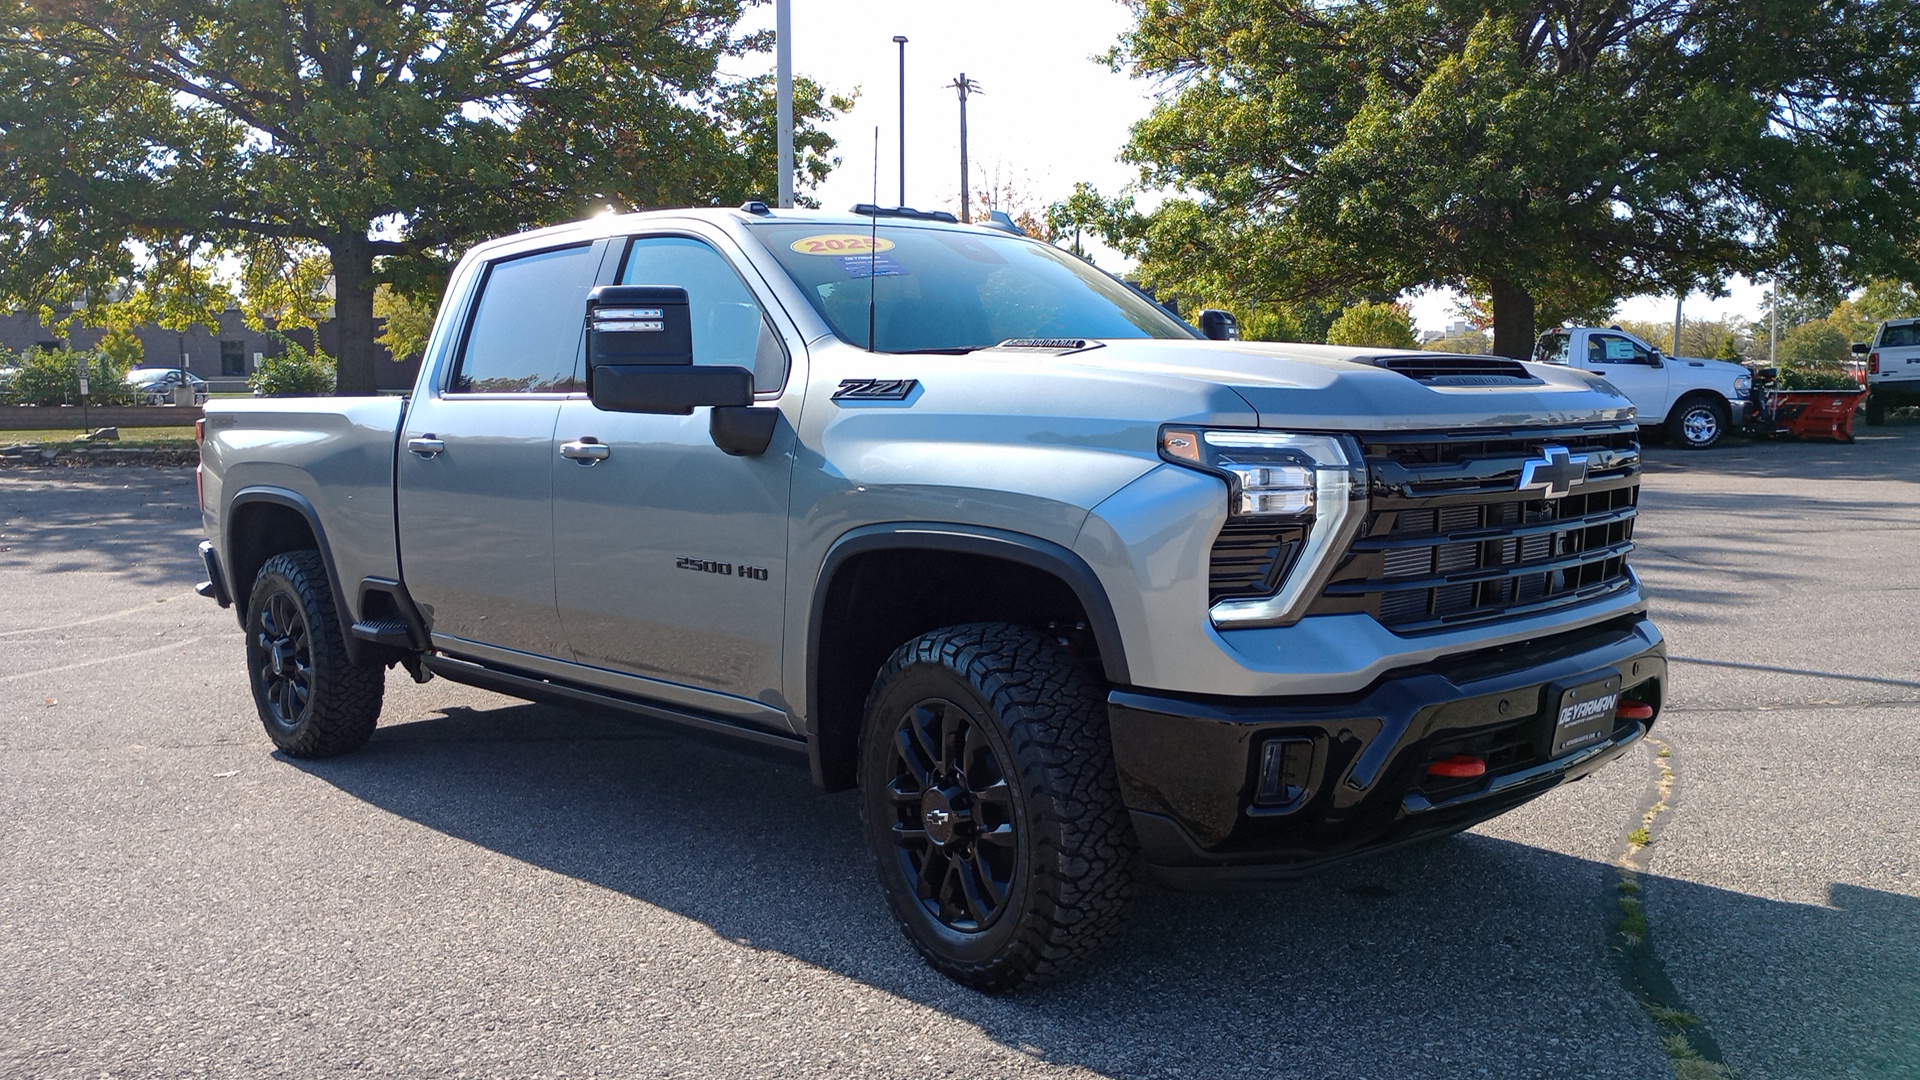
(1385, 326)
(1527, 149)
(149, 140)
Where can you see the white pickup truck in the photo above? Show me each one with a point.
(1697, 401)
(1893, 367)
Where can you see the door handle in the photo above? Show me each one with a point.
(425, 446)
(586, 451)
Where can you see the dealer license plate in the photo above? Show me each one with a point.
(1585, 715)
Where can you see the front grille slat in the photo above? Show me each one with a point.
(1451, 541)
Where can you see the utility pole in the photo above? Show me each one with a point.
(783, 104)
(965, 87)
(901, 40)
(1773, 324)
(1677, 301)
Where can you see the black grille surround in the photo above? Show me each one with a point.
(1450, 541)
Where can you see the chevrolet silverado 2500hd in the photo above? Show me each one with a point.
(1064, 588)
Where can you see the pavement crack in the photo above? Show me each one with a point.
(1688, 1044)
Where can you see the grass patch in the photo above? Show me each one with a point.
(1687, 1062)
(131, 438)
(1639, 837)
(1666, 751)
(1633, 921)
(1673, 1018)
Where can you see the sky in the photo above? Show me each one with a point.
(1047, 115)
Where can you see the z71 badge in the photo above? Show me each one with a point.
(875, 389)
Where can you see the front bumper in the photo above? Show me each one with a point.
(1190, 766)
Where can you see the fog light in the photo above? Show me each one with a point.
(1286, 772)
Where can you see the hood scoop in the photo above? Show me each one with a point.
(1447, 370)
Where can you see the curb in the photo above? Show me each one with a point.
(33, 455)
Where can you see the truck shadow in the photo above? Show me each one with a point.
(90, 524)
(1442, 960)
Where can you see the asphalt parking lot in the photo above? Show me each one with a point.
(498, 889)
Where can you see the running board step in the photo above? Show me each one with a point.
(384, 632)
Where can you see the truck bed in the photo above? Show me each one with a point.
(334, 454)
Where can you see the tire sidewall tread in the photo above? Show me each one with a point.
(1047, 718)
(346, 698)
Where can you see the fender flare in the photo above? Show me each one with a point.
(300, 504)
(1043, 555)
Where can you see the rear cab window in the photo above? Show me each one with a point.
(526, 329)
(1899, 335)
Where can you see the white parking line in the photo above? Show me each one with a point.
(102, 660)
(95, 619)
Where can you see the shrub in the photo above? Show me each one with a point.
(295, 373)
(1816, 376)
(52, 377)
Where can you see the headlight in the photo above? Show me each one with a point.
(1742, 384)
(1316, 483)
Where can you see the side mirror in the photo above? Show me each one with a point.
(1656, 358)
(640, 360)
(1859, 348)
(1219, 325)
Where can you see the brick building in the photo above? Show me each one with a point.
(224, 361)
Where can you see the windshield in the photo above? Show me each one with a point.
(949, 289)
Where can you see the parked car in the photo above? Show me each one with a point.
(1060, 582)
(1893, 367)
(154, 386)
(1697, 401)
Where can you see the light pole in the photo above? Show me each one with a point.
(783, 103)
(965, 87)
(901, 40)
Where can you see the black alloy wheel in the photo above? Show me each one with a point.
(955, 831)
(992, 805)
(285, 648)
(313, 700)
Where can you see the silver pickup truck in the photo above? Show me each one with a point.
(1065, 588)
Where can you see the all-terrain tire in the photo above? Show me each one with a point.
(313, 701)
(1038, 823)
(1698, 421)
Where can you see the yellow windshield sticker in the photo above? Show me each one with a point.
(841, 244)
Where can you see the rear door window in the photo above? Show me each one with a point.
(528, 324)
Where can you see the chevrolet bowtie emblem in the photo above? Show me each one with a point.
(1554, 472)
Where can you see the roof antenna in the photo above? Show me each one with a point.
(873, 235)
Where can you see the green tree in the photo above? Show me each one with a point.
(408, 322)
(1384, 326)
(1527, 149)
(142, 136)
(1815, 343)
(1473, 341)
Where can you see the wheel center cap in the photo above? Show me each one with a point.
(944, 822)
(281, 656)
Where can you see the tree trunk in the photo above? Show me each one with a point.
(353, 310)
(1512, 320)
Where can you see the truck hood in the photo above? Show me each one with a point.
(1702, 370)
(1328, 387)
